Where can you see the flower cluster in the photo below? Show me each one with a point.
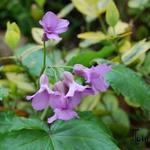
(67, 94)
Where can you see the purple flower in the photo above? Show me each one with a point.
(53, 26)
(94, 76)
(69, 94)
(62, 114)
(40, 100)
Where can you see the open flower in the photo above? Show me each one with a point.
(70, 94)
(40, 100)
(53, 26)
(94, 76)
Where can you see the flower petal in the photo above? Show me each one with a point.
(52, 119)
(82, 71)
(41, 100)
(53, 37)
(57, 101)
(65, 114)
(74, 101)
(99, 84)
(44, 79)
(68, 78)
(101, 69)
(49, 20)
(62, 26)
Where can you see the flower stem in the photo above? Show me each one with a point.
(102, 24)
(44, 58)
(44, 113)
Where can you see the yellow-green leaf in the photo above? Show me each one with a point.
(135, 52)
(12, 35)
(21, 81)
(120, 28)
(66, 10)
(102, 5)
(112, 14)
(37, 34)
(87, 7)
(95, 36)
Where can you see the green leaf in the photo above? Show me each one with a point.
(135, 52)
(10, 122)
(118, 122)
(12, 35)
(145, 68)
(112, 14)
(129, 84)
(89, 103)
(65, 11)
(4, 92)
(40, 2)
(85, 58)
(31, 56)
(70, 135)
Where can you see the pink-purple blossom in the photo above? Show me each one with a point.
(94, 76)
(40, 100)
(53, 26)
(70, 96)
(67, 94)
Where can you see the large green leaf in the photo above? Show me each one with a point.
(85, 58)
(129, 84)
(71, 135)
(9, 122)
(31, 56)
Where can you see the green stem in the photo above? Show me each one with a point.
(44, 58)
(102, 24)
(44, 113)
(69, 67)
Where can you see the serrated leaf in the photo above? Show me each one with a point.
(129, 84)
(10, 122)
(61, 136)
(12, 35)
(112, 14)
